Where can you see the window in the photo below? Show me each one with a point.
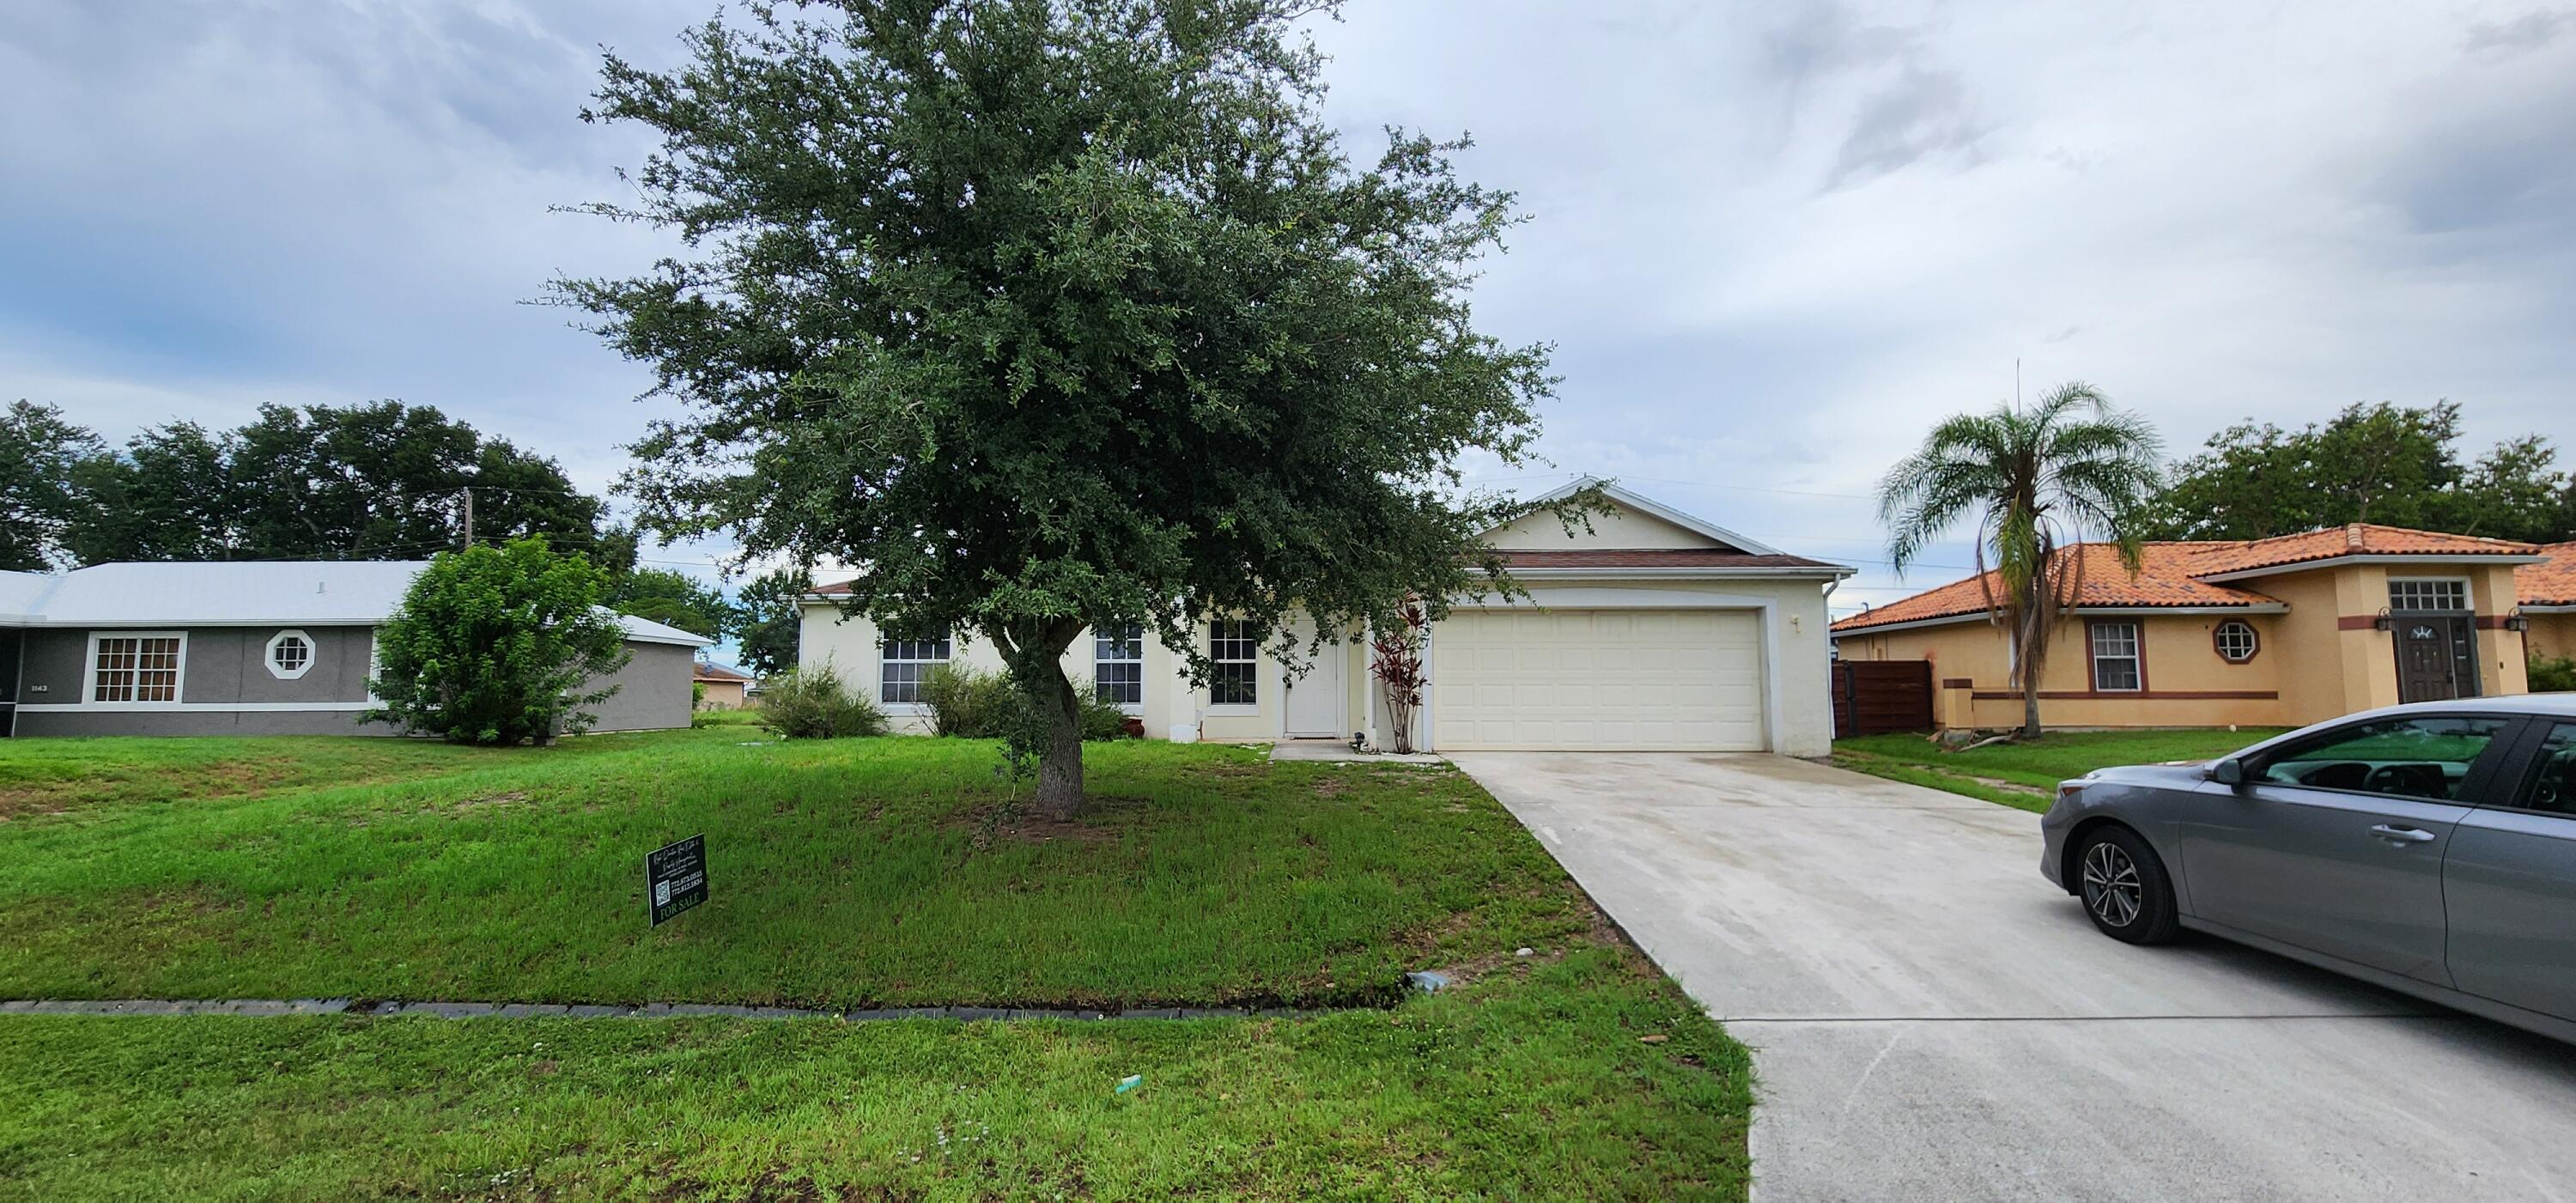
(290, 655)
(1118, 664)
(2236, 641)
(2436, 596)
(2115, 658)
(900, 670)
(136, 668)
(2408, 757)
(2553, 779)
(1236, 647)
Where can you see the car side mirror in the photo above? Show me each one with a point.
(2229, 772)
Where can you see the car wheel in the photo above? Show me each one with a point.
(2124, 887)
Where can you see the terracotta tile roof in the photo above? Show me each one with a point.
(2551, 582)
(835, 589)
(1678, 557)
(2356, 539)
(2173, 573)
(718, 672)
(2165, 578)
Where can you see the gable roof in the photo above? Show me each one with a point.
(1526, 560)
(221, 593)
(1649, 506)
(2552, 582)
(2199, 574)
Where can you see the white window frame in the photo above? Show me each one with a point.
(1136, 648)
(1248, 641)
(178, 678)
(312, 653)
(2253, 641)
(2468, 596)
(947, 645)
(2136, 655)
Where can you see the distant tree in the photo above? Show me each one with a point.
(498, 645)
(383, 480)
(2382, 463)
(674, 599)
(38, 453)
(2036, 480)
(771, 620)
(1057, 315)
(168, 496)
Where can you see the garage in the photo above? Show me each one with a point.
(1600, 680)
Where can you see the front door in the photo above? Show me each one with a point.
(2435, 661)
(2335, 844)
(1317, 702)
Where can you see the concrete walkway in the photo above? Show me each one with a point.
(1931, 1020)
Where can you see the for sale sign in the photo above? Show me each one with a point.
(675, 877)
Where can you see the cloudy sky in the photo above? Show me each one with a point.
(1772, 243)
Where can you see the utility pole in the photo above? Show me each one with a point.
(469, 517)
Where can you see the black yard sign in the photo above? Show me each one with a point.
(675, 877)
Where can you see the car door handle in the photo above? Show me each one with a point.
(2401, 835)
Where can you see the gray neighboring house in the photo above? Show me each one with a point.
(210, 648)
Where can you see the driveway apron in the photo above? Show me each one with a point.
(1932, 1020)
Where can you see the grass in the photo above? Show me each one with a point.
(886, 872)
(2025, 775)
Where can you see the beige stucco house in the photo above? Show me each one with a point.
(2273, 632)
(2548, 593)
(1653, 630)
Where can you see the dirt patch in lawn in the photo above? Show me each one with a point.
(1017, 822)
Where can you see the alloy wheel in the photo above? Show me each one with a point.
(2111, 885)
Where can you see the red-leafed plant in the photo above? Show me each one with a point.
(1396, 661)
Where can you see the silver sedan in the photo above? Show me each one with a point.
(2430, 849)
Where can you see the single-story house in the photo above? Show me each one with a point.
(721, 687)
(2548, 594)
(2278, 632)
(1652, 631)
(240, 648)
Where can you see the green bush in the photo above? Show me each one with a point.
(1100, 720)
(972, 704)
(2552, 674)
(813, 703)
(969, 704)
(498, 645)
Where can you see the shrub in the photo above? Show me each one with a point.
(813, 703)
(969, 704)
(1100, 720)
(495, 645)
(2553, 674)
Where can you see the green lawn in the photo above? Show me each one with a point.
(2026, 774)
(866, 872)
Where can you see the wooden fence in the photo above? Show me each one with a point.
(1874, 696)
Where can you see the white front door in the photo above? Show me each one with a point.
(1317, 702)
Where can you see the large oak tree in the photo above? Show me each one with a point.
(1049, 313)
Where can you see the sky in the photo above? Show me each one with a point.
(1771, 243)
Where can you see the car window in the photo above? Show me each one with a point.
(2553, 780)
(2427, 757)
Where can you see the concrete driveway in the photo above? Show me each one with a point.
(1932, 1020)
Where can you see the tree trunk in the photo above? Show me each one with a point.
(1060, 750)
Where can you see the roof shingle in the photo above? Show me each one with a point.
(2551, 582)
(2174, 574)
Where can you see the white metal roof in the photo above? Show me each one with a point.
(207, 593)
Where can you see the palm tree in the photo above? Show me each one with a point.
(2067, 466)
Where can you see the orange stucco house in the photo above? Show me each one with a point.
(2548, 591)
(2267, 632)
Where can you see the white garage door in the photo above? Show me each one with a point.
(1627, 680)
